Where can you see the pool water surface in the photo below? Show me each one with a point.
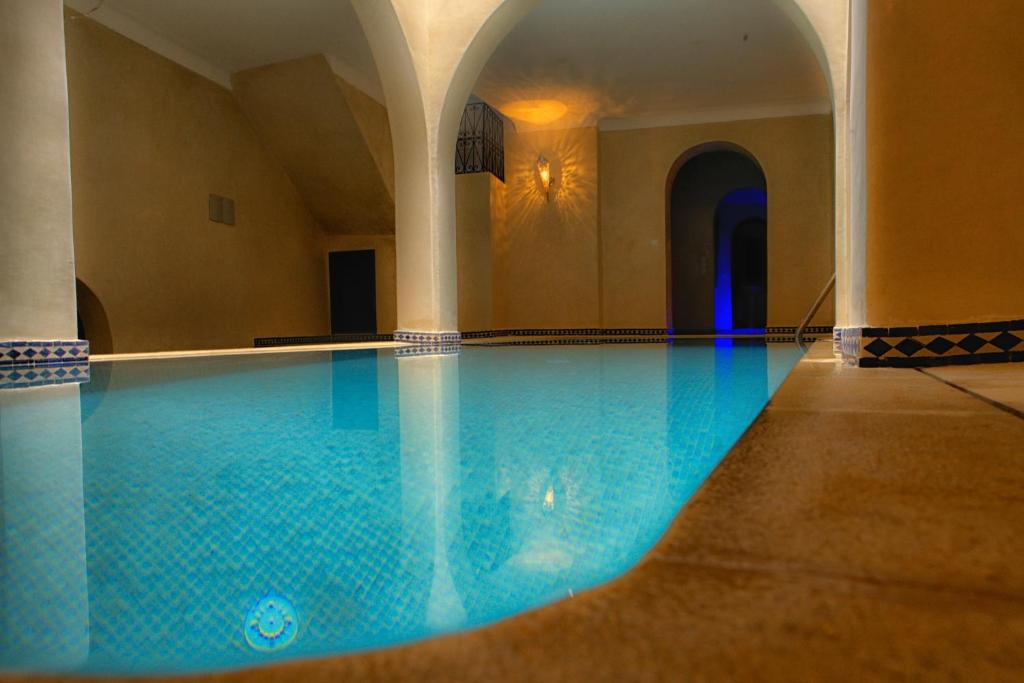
(200, 514)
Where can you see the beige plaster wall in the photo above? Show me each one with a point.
(303, 116)
(372, 118)
(796, 155)
(37, 282)
(473, 250)
(150, 141)
(384, 271)
(945, 142)
(546, 265)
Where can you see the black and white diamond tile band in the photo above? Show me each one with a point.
(933, 345)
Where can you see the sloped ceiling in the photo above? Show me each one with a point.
(614, 63)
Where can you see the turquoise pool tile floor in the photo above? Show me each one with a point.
(867, 526)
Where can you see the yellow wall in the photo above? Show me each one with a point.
(945, 142)
(384, 271)
(796, 156)
(372, 118)
(595, 254)
(150, 141)
(473, 250)
(546, 266)
(301, 113)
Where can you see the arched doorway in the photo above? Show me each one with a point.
(717, 238)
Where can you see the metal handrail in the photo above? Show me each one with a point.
(814, 309)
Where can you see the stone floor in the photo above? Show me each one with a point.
(1002, 384)
(869, 526)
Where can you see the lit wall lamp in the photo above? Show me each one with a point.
(544, 170)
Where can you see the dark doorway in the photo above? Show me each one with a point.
(717, 189)
(750, 275)
(353, 292)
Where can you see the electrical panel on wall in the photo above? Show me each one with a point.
(222, 209)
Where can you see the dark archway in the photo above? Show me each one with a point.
(93, 323)
(717, 274)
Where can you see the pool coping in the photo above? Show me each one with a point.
(499, 340)
(242, 351)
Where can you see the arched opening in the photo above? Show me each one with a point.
(717, 242)
(593, 250)
(93, 323)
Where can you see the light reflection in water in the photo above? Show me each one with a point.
(378, 500)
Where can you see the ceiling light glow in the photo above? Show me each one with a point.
(537, 112)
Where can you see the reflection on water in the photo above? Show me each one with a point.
(197, 514)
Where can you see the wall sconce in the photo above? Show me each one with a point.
(544, 170)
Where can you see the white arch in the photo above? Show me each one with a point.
(436, 51)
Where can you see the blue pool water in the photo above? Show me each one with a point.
(199, 514)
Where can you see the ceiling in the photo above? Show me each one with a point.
(221, 37)
(631, 63)
(613, 63)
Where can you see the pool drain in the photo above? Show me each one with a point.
(271, 624)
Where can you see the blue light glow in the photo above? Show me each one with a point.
(733, 209)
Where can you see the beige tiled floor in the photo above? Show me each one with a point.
(868, 527)
(1003, 382)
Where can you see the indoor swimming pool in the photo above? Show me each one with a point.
(182, 515)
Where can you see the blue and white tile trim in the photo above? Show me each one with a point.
(43, 352)
(846, 344)
(28, 363)
(432, 338)
(24, 376)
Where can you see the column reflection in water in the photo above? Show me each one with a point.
(429, 416)
(45, 590)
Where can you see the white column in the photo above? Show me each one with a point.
(37, 277)
(428, 56)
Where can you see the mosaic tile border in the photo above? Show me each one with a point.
(846, 344)
(575, 342)
(934, 345)
(428, 350)
(596, 341)
(567, 332)
(24, 376)
(321, 339)
(772, 335)
(432, 338)
(791, 330)
(43, 352)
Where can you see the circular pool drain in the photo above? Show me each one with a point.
(271, 624)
